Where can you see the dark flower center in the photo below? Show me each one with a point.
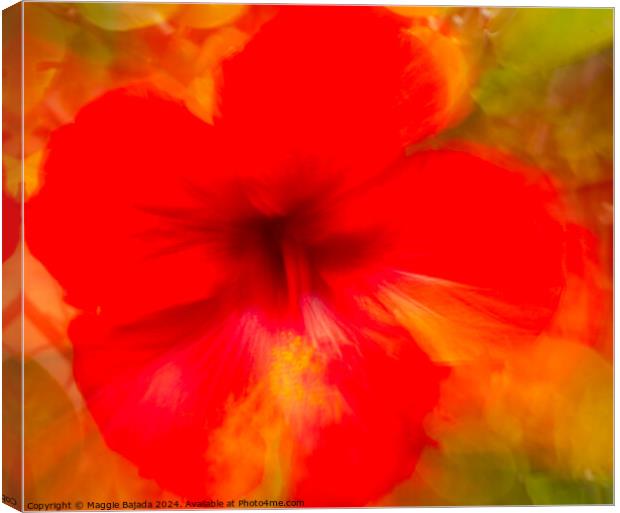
(278, 254)
(287, 257)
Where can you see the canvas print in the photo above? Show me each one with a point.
(287, 256)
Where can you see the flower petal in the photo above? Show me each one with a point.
(336, 416)
(494, 228)
(118, 218)
(159, 388)
(343, 85)
(375, 442)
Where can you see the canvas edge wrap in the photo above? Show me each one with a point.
(12, 293)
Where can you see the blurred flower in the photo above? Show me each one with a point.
(251, 292)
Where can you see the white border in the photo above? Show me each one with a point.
(499, 3)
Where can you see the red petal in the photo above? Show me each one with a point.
(118, 219)
(458, 217)
(159, 388)
(344, 88)
(387, 391)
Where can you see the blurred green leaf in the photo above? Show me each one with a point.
(542, 39)
(545, 489)
(52, 435)
(474, 478)
(533, 43)
(45, 47)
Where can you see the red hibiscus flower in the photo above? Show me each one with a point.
(266, 260)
